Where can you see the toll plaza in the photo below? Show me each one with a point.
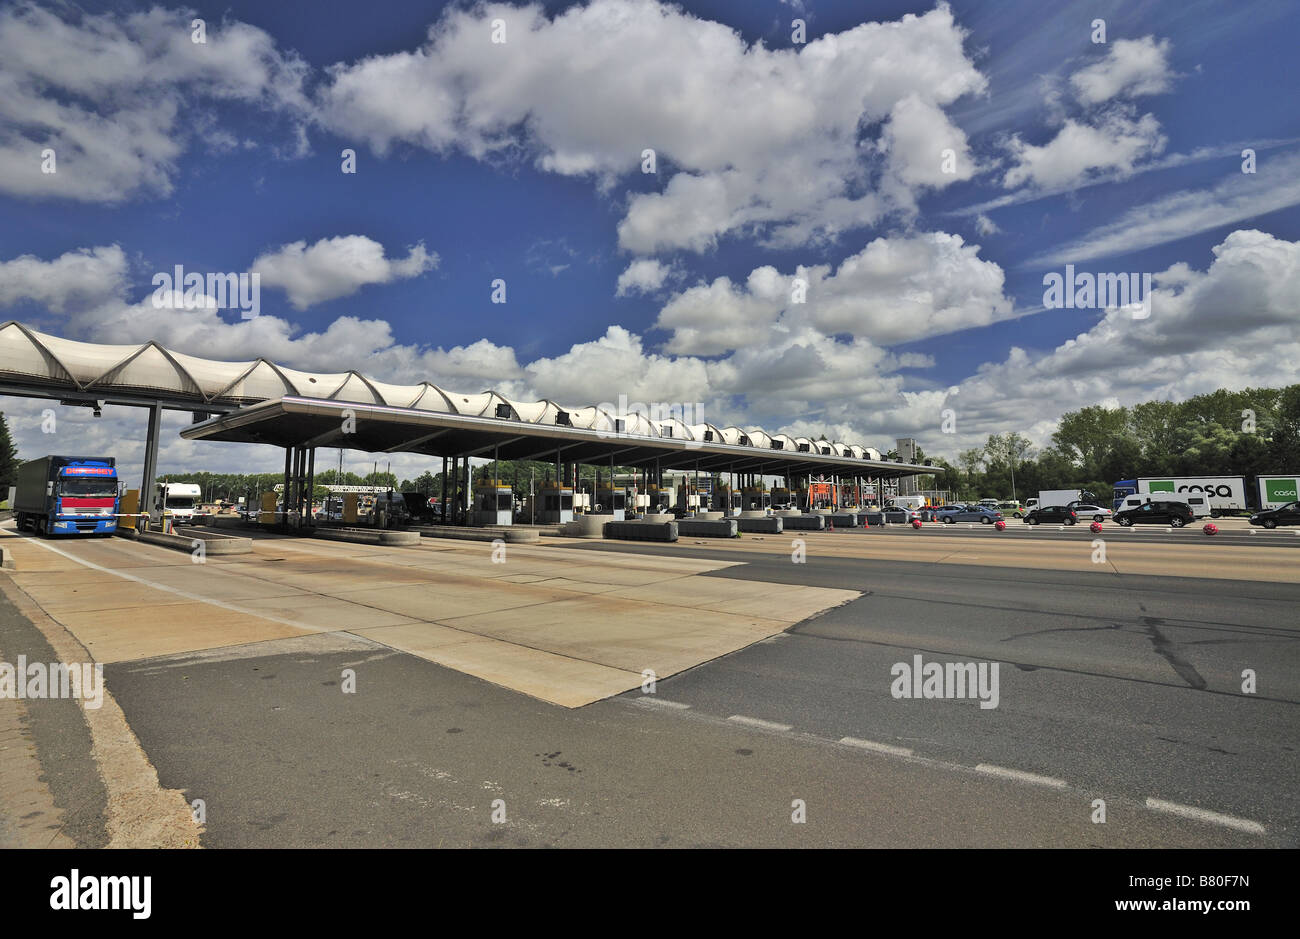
(263, 402)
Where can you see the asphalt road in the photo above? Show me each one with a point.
(420, 755)
(1113, 687)
(1119, 683)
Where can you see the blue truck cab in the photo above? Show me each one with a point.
(65, 495)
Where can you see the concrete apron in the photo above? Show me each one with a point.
(563, 625)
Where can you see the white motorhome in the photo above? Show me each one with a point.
(179, 500)
(1198, 502)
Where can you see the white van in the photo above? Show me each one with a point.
(1197, 502)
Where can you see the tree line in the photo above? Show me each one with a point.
(1222, 433)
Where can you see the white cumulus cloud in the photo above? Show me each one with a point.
(336, 267)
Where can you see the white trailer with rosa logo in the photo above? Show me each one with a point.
(1277, 491)
(1226, 495)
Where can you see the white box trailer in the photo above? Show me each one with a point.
(1225, 494)
(1277, 491)
(1050, 497)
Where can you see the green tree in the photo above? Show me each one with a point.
(1085, 435)
(8, 458)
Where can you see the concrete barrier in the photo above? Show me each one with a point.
(369, 536)
(707, 528)
(212, 546)
(765, 525)
(585, 526)
(872, 518)
(642, 531)
(799, 522)
(843, 520)
(508, 535)
(6, 559)
(228, 521)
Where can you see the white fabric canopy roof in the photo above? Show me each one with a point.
(34, 357)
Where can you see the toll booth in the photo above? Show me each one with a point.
(782, 498)
(754, 499)
(800, 497)
(611, 502)
(268, 513)
(494, 503)
(720, 499)
(660, 500)
(556, 505)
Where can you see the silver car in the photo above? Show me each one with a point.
(951, 514)
(1098, 513)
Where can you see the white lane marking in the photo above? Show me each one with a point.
(1020, 775)
(662, 702)
(989, 769)
(1205, 815)
(755, 722)
(234, 607)
(878, 747)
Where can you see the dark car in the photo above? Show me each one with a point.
(1288, 514)
(1175, 514)
(1052, 515)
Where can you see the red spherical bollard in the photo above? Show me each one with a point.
(1000, 525)
(1210, 528)
(1095, 528)
(916, 523)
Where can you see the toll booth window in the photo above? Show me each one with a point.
(566, 503)
(485, 502)
(620, 500)
(505, 502)
(552, 503)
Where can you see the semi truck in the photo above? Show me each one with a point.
(1225, 494)
(67, 495)
(1049, 497)
(1277, 491)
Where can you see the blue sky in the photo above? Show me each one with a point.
(1122, 156)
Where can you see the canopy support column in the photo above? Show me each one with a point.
(151, 463)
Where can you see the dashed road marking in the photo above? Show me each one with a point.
(1205, 815)
(986, 769)
(878, 747)
(1020, 775)
(662, 702)
(755, 722)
